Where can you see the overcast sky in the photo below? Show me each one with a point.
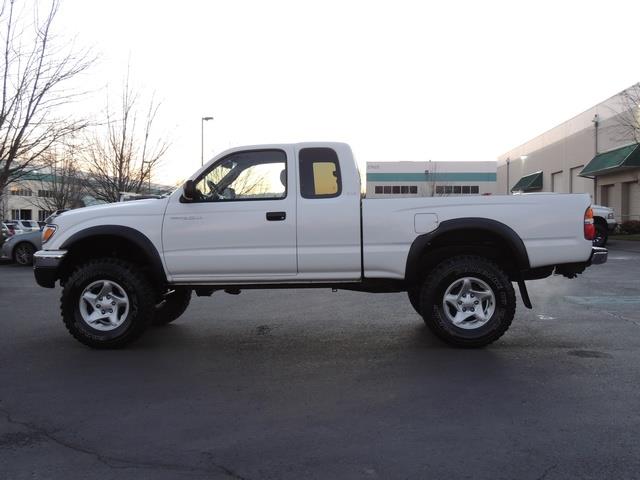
(398, 80)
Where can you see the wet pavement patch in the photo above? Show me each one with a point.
(602, 300)
(589, 354)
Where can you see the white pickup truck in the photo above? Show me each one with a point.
(292, 216)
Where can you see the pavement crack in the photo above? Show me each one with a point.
(547, 471)
(622, 317)
(122, 463)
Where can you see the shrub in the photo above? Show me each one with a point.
(630, 227)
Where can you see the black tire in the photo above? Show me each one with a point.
(602, 235)
(449, 272)
(23, 254)
(172, 307)
(414, 297)
(134, 284)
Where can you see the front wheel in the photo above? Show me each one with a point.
(468, 301)
(107, 303)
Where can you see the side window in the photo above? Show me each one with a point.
(251, 175)
(319, 173)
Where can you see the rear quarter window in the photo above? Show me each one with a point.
(319, 173)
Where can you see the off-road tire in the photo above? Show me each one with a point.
(172, 307)
(137, 287)
(445, 274)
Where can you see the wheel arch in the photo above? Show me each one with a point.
(477, 235)
(600, 220)
(113, 240)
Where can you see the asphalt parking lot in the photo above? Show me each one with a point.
(311, 384)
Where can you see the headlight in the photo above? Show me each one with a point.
(611, 215)
(48, 232)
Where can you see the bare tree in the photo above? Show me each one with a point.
(35, 72)
(628, 119)
(61, 184)
(126, 156)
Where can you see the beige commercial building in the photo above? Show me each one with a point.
(596, 152)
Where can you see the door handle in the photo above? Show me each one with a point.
(276, 216)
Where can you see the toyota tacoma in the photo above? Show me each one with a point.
(293, 216)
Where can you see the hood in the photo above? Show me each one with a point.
(151, 206)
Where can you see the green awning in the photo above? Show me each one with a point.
(529, 183)
(608, 162)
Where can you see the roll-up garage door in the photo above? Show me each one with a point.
(634, 201)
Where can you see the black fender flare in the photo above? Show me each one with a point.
(150, 252)
(421, 242)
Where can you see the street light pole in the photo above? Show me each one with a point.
(508, 162)
(204, 119)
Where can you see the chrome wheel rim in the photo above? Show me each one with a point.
(104, 305)
(469, 303)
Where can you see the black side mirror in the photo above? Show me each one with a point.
(189, 190)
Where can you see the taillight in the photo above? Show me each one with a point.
(589, 226)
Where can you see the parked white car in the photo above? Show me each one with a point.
(26, 225)
(291, 215)
(605, 222)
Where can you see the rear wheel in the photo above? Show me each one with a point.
(173, 305)
(468, 301)
(107, 303)
(23, 254)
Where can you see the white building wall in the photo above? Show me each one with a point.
(409, 179)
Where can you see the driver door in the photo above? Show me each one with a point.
(241, 225)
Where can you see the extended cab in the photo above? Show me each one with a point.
(292, 215)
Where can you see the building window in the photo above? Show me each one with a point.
(45, 193)
(22, 192)
(466, 189)
(20, 214)
(448, 190)
(475, 189)
(43, 214)
(440, 190)
(457, 189)
(396, 189)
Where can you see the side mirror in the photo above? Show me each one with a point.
(189, 190)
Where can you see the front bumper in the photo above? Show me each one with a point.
(45, 266)
(598, 255)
